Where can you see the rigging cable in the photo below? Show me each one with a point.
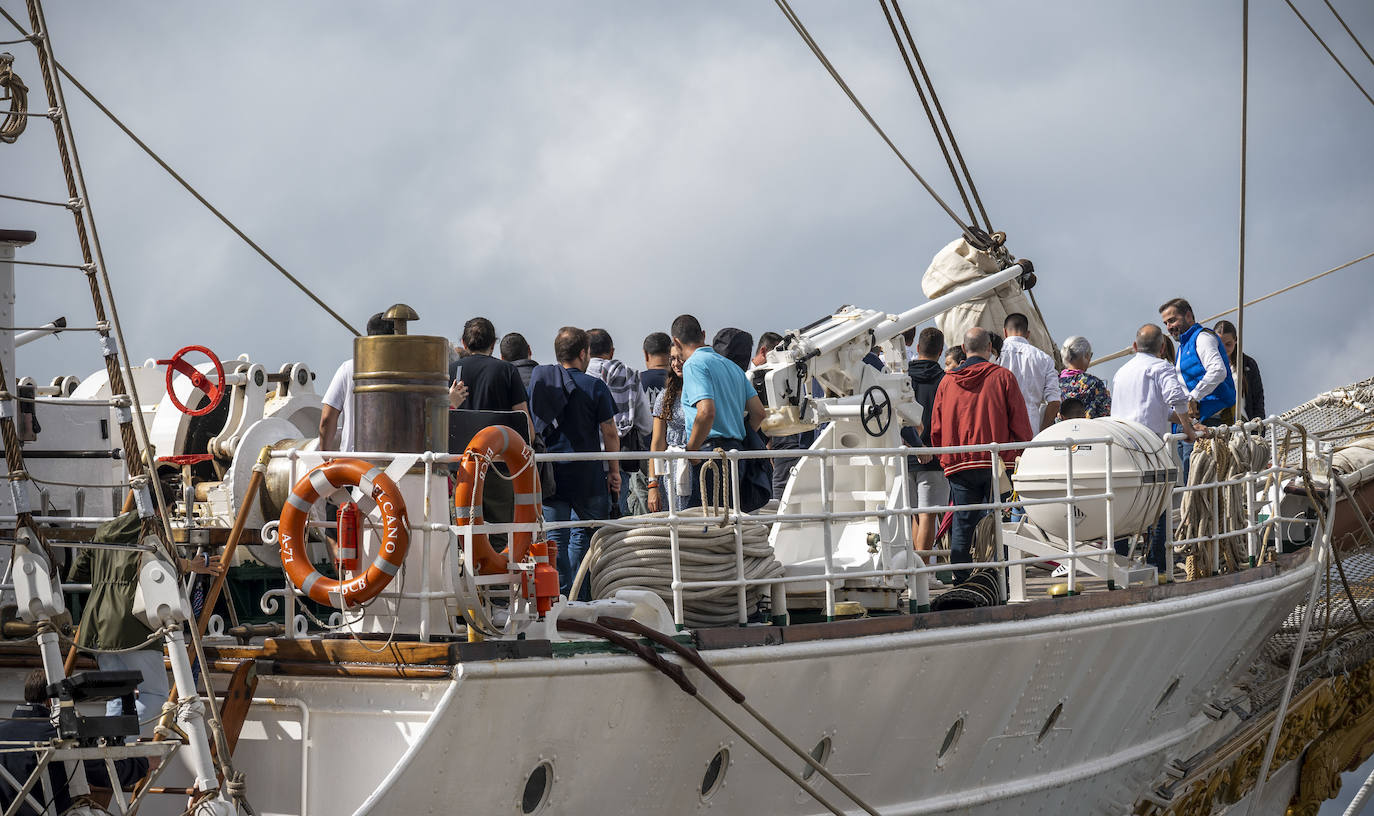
(221, 216)
(940, 109)
(1341, 20)
(1123, 352)
(1330, 52)
(930, 114)
(969, 231)
(1244, 155)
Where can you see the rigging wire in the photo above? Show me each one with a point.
(940, 109)
(786, 9)
(1123, 352)
(1341, 20)
(35, 200)
(221, 216)
(930, 114)
(1331, 53)
(1244, 155)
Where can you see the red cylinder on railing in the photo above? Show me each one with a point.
(349, 523)
(545, 555)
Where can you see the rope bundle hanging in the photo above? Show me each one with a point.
(18, 94)
(1224, 457)
(641, 558)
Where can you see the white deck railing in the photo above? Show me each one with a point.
(913, 577)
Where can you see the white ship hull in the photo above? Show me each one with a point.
(622, 738)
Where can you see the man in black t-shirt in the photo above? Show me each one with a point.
(658, 346)
(493, 385)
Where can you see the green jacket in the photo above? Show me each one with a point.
(108, 621)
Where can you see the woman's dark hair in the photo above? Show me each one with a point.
(672, 392)
(1226, 327)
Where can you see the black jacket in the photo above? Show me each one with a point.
(925, 379)
(1254, 390)
(30, 723)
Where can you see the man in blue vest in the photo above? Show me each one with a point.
(1202, 364)
(1204, 368)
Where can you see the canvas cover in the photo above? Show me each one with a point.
(959, 263)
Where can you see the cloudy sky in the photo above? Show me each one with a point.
(616, 163)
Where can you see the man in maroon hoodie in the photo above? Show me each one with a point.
(976, 404)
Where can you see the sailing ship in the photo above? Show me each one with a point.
(437, 674)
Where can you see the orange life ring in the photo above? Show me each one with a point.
(322, 481)
(497, 443)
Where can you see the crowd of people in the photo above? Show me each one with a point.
(694, 396)
(989, 397)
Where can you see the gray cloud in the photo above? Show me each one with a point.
(615, 164)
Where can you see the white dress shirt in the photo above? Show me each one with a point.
(1148, 390)
(1034, 370)
(1209, 352)
(339, 396)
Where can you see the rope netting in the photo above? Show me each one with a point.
(1338, 416)
(1341, 636)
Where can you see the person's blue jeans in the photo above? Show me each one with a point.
(1185, 453)
(967, 487)
(697, 500)
(1155, 557)
(152, 690)
(574, 541)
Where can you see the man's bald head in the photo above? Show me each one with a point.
(1149, 339)
(977, 341)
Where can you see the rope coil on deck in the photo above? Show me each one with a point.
(641, 558)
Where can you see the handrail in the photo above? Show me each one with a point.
(831, 576)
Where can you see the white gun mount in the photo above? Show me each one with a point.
(832, 351)
(862, 408)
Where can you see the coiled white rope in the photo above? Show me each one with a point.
(641, 558)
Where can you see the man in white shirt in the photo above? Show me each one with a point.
(1147, 389)
(1034, 370)
(338, 397)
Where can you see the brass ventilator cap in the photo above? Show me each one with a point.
(399, 315)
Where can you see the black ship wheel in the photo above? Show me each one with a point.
(875, 411)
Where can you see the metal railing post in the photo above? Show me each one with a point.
(742, 595)
(1000, 550)
(289, 603)
(1275, 486)
(1216, 523)
(1071, 522)
(917, 599)
(424, 553)
(674, 542)
(1110, 543)
(1252, 534)
(827, 534)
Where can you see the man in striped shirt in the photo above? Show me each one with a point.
(633, 416)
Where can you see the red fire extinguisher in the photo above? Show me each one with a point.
(348, 536)
(545, 582)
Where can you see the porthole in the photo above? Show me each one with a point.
(1049, 722)
(714, 777)
(537, 789)
(821, 753)
(1168, 692)
(951, 737)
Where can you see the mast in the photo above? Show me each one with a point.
(1240, 276)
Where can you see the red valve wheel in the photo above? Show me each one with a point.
(214, 391)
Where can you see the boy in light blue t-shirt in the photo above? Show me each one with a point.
(717, 397)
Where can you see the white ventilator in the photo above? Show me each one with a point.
(1143, 469)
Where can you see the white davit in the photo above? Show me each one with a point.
(1144, 469)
